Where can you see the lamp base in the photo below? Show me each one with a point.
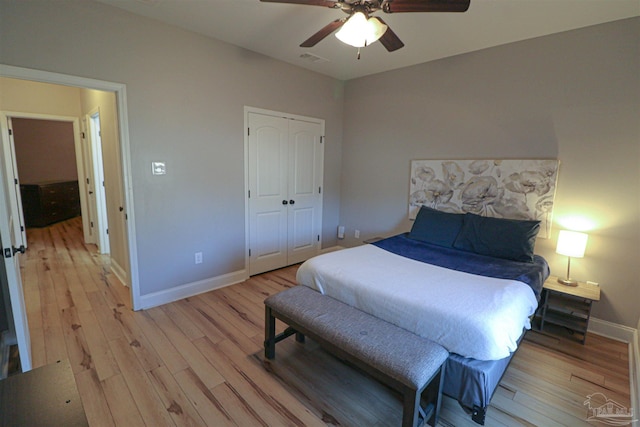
(568, 282)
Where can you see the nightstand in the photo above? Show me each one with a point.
(567, 306)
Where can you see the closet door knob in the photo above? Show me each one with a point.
(284, 202)
(292, 202)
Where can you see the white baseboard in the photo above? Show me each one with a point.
(612, 330)
(190, 289)
(628, 335)
(120, 273)
(331, 249)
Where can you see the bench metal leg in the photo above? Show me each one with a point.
(411, 408)
(437, 388)
(413, 413)
(270, 337)
(269, 334)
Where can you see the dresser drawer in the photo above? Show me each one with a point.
(49, 202)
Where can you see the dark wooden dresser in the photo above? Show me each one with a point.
(45, 203)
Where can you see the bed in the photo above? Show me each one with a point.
(468, 282)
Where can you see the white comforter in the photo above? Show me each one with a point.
(471, 315)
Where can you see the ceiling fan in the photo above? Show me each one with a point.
(360, 28)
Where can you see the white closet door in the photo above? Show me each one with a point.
(285, 202)
(268, 157)
(305, 162)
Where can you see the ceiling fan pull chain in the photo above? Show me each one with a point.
(358, 53)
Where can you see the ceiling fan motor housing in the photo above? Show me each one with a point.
(389, 39)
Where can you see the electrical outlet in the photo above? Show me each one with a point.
(357, 234)
(341, 232)
(198, 257)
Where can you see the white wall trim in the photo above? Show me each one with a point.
(628, 335)
(191, 289)
(612, 330)
(119, 272)
(331, 249)
(77, 143)
(75, 123)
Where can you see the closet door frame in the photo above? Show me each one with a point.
(247, 111)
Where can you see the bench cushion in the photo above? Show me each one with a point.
(398, 353)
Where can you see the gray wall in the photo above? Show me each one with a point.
(574, 96)
(186, 95)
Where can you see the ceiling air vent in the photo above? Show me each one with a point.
(313, 58)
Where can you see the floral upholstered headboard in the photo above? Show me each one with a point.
(515, 189)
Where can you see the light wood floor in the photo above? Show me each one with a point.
(199, 361)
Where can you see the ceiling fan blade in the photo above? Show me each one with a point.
(325, 3)
(324, 32)
(389, 39)
(398, 6)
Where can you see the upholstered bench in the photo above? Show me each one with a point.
(404, 361)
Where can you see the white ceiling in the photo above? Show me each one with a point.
(276, 30)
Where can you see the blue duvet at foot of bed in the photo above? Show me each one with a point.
(480, 379)
(532, 273)
(473, 382)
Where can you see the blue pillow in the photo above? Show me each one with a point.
(436, 227)
(498, 237)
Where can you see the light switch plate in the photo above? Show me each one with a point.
(159, 168)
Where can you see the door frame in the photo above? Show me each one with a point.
(88, 215)
(97, 177)
(18, 323)
(11, 167)
(120, 91)
(77, 143)
(247, 111)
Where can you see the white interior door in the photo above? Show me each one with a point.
(87, 186)
(15, 198)
(97, 197)
(305, 172)
(285, 183)
(10, 243)
(268, 194)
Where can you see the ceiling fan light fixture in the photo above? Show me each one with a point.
(361, 31)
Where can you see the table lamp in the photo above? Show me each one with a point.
(571, 244)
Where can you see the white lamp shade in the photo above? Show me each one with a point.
(571, 243)
(360, 31)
